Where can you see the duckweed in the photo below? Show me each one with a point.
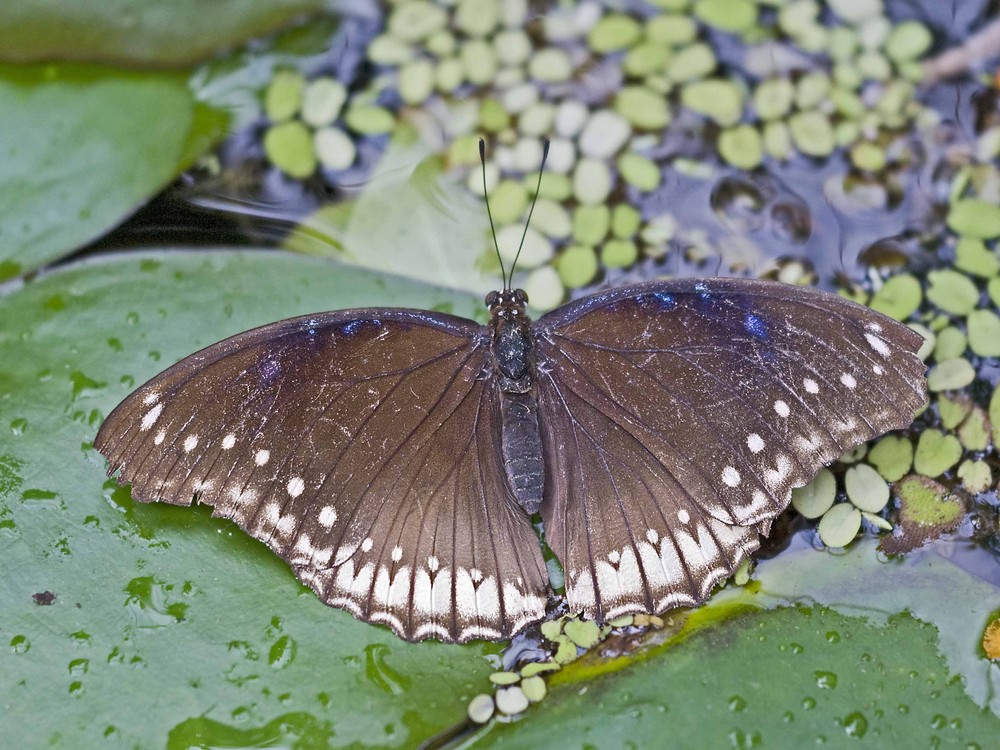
(936, 453)
(839, 525)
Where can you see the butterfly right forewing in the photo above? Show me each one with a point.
(363, 447)
(677, 416)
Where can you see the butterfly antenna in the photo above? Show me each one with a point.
(545, 155)
(493, 229)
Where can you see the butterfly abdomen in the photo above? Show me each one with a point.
(522, 449)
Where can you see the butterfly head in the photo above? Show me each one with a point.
(507, 304)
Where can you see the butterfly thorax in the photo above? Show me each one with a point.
(512, 348)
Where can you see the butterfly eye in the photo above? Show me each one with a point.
(492, 298)
(521, 296)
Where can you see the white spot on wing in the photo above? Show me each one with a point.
(150, 417)
(683, 516)
(811, 385)
(808, 443)
(296, 486)
(877, 344)
(652, 535)
(160, 437)
(755, 442)
(730, 476)
(366, 545)
(190, 443)
(848, 380)
(760, 502)
(397, 553)
(151, 398)
(327, 516)
(877, 369)
(781, 407)
(240, 496)
(776, 477)
(433, 564)
(262, 457)
(228, 441)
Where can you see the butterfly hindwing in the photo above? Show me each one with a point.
(363, 447)
(676, 418)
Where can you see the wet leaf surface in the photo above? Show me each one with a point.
(87, 146)
(136, 31)
(830, 650)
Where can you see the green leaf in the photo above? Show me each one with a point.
(952, 291)
(855, 660)
(927, 509)
(892, 455)
(899, 297)
(86, 146)
(951, 374)
(412, 220)
(170, 628)
(839, 525)
(936, 453)
(975, 218)
(866, 488)
(815, 499)
(976, 476)
(149, 32)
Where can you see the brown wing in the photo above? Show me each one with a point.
(677, 416)
(363, 447)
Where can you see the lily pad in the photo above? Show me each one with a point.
(953, 409)
(865, 488)
(815, 499)
(86, 147)
(952, 292)
(974, 432)
(951, 374)
(614, 31)
(951, 343)
(183, 613)
(984, 333)
(716, 98)
(892, 456)
(975, 218)
(926, 510)
(972, 256)
(812, 133)
(899, 297)
(584, 633)
(976, 476)
(822, 665)
(839, 525)
(171, 34)
(742, 146)
(994, 415)
(936, 453)
(727, 15)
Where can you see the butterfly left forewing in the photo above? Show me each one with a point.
(677, 417)
(361, 446)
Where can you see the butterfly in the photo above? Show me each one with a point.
(395, 457)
